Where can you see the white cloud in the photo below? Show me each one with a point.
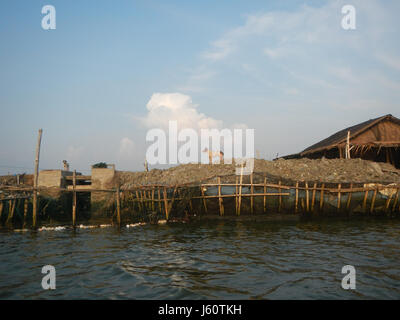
(163, 107)
(126, 147)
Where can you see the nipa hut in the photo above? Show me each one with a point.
(376, 139)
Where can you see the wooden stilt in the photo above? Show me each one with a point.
(11, 209)
(296, 207)
(236, 195)
(349, 195)
(240, 190)
(221, 205)
(321, 197)
(74, 199)
(373, 200)
(365, 200)
(389, 199)
(152, 199)
(1, 210)
(307, 198)
(265, 197)
(395, 200)
(118, 206)
(339, 197)
(35, 179)
(26, 202)
(204, 199)
(138, 200)
(159, 206)
(252, 194)
(166, 204)
(280, 197)
(313, 196)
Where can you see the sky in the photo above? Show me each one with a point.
(113, 70)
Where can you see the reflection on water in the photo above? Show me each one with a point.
(227, 260)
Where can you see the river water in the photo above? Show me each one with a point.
(207, 260)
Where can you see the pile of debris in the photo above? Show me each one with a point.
(319, 170)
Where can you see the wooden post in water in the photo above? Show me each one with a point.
(280, 197)
(11, 209)
(339, 198)
(252, 192)
(388, 202)
(1, 209)
(166, 203)
(349, 195)
(296, 208)
(152, 199)
(240, 190)
(365, 201)
(74, 199)
(395, 200)
(204, 199)
(159, 206)
(373, 200)
(35, 179)
(118, 206)
(313, 196)
(307, 198)
(265, 196)
(221, 204)
(236, 194)
(321, 197)
(26, 203)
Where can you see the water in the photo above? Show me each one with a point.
(214, 260)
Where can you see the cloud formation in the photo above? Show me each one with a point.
(163, 107)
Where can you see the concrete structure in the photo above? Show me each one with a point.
(102, 178)
(53, 178)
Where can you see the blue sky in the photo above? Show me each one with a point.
(285, 68)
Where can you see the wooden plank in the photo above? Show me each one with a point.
(166, 204)
(307, 198)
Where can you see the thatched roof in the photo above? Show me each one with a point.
(381, 136)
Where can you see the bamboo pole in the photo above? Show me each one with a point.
(204, 198)
(280, 196)
(388, 203)
(35, 179)
(159, 205)
(240, 190)
(307, 198)
(265, 191)
(365, 200)
(152, 199)
(373, 200)
(236, 195)
(118, 206)
(1, 210)
(395, 201)
(74, 199)
(339, 196)
(313, 196)
(221, 205)
(166, 204)
(11, 209)
(296, 208)
(251, 192)
(349, 197)
(321, 196)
